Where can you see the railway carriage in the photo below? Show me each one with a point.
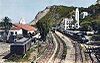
(76, 36)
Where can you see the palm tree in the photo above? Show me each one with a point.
(6, 24)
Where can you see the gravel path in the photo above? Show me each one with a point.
(4, 50)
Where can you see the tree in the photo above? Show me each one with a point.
(94, 25)
(43, 27)
(86, 26)
(6, 25)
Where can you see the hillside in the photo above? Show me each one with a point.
(93, 20)
(40, 15)
(52, 18)
(56, 13)
(52, 13)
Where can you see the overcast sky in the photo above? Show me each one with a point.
(27, 9)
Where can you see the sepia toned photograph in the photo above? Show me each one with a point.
(49, 31)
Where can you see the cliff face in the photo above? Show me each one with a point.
(40, 15)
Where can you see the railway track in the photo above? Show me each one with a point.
(78, 54)
(61, 51)
(93, 54)
(47, 54)
(58, 56)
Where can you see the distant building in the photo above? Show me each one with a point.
(18, 28)
(70, 23)
(22, 28)
(98, 2)
(83, 15)
(22, 21)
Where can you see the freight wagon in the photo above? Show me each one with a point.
(21, 47)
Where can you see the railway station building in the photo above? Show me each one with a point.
(22, 28)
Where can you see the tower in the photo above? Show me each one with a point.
(22, 21)
(65, 21)
(77, 18)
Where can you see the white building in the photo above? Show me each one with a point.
(22, 28)
(84, 14)
(22, 21)
(69, 22)
(98, 2)
(16, 29)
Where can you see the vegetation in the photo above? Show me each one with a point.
(52, 18)
(95, 38)
(92, 22)
(57, 13)
(6, 24)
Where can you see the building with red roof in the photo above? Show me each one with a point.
(22, 28)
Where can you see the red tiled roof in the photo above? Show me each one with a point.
(25, 27)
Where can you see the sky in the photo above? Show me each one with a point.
(27, 9)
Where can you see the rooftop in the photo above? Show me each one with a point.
(24, 26)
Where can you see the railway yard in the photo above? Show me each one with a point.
(54, 54)
(50, 31)
(73, 50)
(67, 51)
(70, 51)
(60, 48)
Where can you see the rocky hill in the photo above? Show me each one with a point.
(53, 13)
(51, 16)
(40, 15)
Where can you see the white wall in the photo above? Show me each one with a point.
(67, 22)
(18, 31)
(30, 31)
